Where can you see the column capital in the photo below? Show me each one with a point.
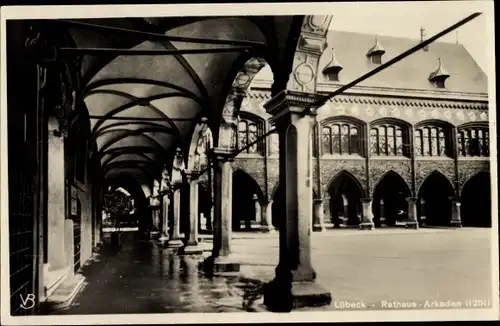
(318, 201)
(289, 102)
(411, 199)
(366, 200)
(221, 154)
(192, 175)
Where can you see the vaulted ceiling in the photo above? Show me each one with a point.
(143, 105)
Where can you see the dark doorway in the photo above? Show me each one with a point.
(345, 200)
(389, 204)
(244, 190)
(476, 201)
(434, 198)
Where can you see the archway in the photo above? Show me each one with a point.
(205, 208)
(345, 193)
(245, 192)
(389, 200)
(476, 201)
(434, 198)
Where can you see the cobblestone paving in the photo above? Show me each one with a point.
(427, 264)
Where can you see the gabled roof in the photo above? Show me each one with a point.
(411, 73)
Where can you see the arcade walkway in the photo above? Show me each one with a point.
(428, 264)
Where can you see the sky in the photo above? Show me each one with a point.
(404, 19)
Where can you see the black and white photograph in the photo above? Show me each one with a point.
(248, 163)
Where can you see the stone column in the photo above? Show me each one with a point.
(175, 240)
(382, 213)
(192, 246)
(221, 260)
(423, 216)
(318, 216)
(57, 259)
(164, 219)
(258, 212)
(267, 217)
(456, 220)
(294, 284)
(412, 222)
(367, 217)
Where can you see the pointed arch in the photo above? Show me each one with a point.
(343, 199)
(434, 199)
(475, 197)
(389, 204)
(348, 175)
(246, 191)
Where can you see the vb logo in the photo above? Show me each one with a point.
(28, 302)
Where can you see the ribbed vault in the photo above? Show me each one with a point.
(143, 105)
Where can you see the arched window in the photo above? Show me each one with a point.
(249, 131)
(473, 141)
(431, 141)
(340, 138)
(418, 142)
(388, 140)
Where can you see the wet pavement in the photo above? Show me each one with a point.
(391, 264)
(140, 277)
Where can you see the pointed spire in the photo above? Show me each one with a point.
(333, 66)
(377, 48)
(440, 73)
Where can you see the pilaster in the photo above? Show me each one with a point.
(412, 222)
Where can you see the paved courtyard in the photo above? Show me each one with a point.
(391, 264)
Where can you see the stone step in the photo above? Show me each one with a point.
(63, 296)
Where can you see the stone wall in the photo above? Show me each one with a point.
(330, 167)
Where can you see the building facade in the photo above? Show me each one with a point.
(415, 133)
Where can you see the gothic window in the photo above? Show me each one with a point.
(248, 132)
(340, 139)
(434, 142)
(460, 143)
(473, 141)
(399, 142)
(374, 141)
(327, 139)
(388, 140)
(418, 142)
(431, 141)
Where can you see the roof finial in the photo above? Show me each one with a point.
(440, 71)
(377, 48)
(334, 65)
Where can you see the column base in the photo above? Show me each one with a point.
(319, 228)
(366, 226)
(220, 266)
(163, 240)
(456, 224)
(154, 235)
(195, 249)
(412, 225)
(267, 229)
(174, 243)
(282, 296)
